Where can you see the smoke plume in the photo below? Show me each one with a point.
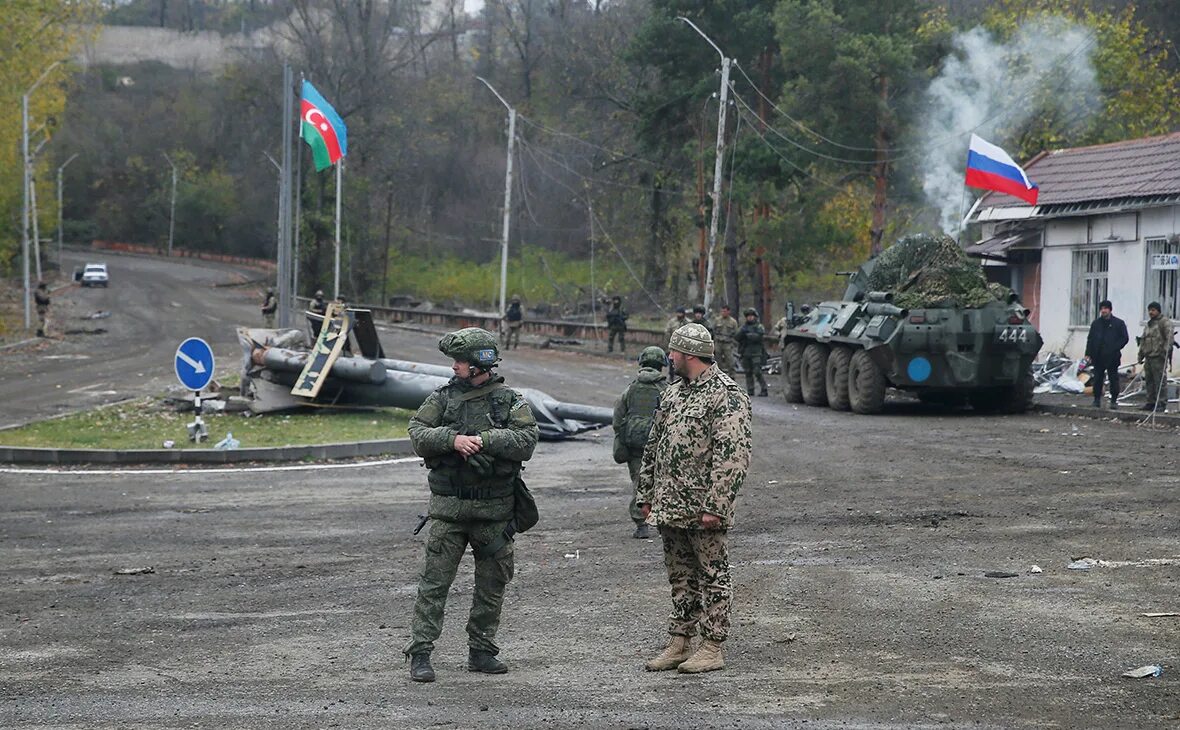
(993, 88)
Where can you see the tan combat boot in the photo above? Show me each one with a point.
(679, 649)
(706, 659)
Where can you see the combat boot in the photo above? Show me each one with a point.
(420, 669)
(485, 662)
(644, 531)
(764, 393)
(679, 649)
(706, 659)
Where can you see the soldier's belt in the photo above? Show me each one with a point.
(473, 491)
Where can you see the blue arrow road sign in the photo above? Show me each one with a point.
(194, 363)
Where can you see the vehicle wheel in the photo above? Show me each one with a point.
(811, 374)
(836, 378)
(792, 372)
(866, 384)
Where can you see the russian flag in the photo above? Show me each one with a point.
(990, 168)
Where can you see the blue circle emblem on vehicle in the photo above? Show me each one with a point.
(919, 369)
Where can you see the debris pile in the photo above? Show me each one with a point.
(930, 270)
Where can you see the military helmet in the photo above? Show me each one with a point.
(698, 309)
(680, 310)
(515, 299)
(319, 293)
(748, 311)
(652, 357)
(692, 339)
(471, 345)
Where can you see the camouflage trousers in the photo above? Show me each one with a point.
(753, 368)
(444, 549)
(610, 343)
(269, 319)
(512, 335)
(1153, 381)
(702, 589)
(633, 467)
(725, 358)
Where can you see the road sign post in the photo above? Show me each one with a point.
(194, 369)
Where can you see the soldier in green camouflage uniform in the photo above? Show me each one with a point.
(694, 464)
(753, 351)
(632, 423)
(1154, 347)
(674, 324)
(473, 434)
(725, 328)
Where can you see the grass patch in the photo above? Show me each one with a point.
(146, 424)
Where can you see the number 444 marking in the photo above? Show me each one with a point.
(1013, 335)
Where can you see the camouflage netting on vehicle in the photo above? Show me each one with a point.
(930, 270)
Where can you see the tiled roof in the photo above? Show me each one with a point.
(1131, 169)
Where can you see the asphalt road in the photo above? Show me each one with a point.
(861, 551)
(154, 304)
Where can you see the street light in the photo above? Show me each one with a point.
(63, 166)
(24, 114)
(507, 199)
(172, 207)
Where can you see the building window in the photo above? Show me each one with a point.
(1089, 284)
(1161, 283)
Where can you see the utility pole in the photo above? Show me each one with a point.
(507, 200)
(726, 62)
(283, 255)
(593, 288)
(172, 206)
(26, 165)
(63, 166)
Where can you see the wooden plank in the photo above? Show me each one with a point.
(333, 335)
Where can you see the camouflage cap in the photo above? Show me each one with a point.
(652, 357)
(692, 339)
(471, 345)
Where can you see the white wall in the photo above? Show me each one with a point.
(1126, 277)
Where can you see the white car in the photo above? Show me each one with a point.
(95, 275)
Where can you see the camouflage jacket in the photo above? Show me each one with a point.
(698, 452)
(634, 411)
(749, 339)
(496, 413)
(724, 330)
(1157, 338)
(673, 324)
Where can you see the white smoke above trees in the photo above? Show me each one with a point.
(1041, 77)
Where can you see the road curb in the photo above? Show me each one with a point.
(316, 452)
(1133, 415)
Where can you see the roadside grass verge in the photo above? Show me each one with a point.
(145, 424)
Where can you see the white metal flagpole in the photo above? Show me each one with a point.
(339, 190)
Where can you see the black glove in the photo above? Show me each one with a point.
(481, 464)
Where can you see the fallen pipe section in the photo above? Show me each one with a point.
(390, 383)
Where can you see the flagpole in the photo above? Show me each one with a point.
(962, 204)
(339, 181)
(298, 209)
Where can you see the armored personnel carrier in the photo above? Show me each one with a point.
(920, 318)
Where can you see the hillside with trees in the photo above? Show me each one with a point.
(826, 147)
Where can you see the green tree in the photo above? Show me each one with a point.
(34, 35)
(1137, 88)
(854, 71)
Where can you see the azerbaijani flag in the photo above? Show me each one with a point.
(322, 129)
(990, 168)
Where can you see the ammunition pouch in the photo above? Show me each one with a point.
(452, 476)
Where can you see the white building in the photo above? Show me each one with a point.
(1103, 219)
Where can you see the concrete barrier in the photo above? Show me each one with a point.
(31, 455)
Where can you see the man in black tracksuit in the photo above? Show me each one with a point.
(1104, 346)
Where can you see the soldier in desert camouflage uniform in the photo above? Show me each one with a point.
(725, 328)
(473, 433)
(694, 464)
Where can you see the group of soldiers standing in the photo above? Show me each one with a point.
(687, 447)
(747, 339)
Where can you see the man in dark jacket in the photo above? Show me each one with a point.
(1104, 346)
